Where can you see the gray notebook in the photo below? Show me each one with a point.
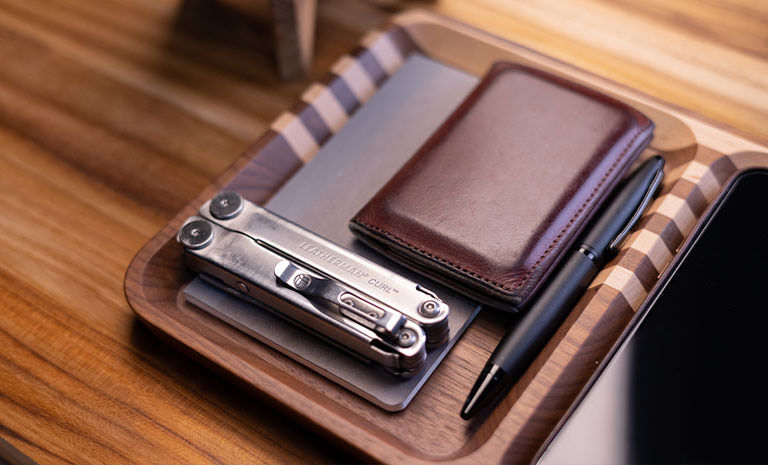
(349, 169)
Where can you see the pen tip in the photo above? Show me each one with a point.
(482, 392)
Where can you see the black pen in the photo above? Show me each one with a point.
(602, 240)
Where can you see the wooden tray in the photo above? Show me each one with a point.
(700, 158)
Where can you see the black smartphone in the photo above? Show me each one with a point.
(689, 384)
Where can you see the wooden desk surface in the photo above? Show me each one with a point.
(114, 114)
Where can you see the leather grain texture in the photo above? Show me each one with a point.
(502, 189)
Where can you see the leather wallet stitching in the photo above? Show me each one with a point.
(421, 251)
(551, 246)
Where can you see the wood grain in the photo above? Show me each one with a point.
(429, 430)
(115, 114)
(294, 25)
(709, 57)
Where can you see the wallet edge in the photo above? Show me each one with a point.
(471, 282)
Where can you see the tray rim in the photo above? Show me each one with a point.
(739, 164)
(496, 447)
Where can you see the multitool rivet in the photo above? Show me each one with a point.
(302, 281)
(196, 234)
(429, 308)
(406, 337)
(226, 205)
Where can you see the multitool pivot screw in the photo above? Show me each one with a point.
(226, 205)
(196, 234)
(429, 308)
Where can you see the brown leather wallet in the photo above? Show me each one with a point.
(500, 191)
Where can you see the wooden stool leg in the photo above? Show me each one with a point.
(294, 23)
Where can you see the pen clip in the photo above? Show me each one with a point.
(641, 208)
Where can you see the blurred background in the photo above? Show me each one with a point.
(198, 80)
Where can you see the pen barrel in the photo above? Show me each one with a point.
(520, 346)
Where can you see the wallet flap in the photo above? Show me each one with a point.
(503, 187)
